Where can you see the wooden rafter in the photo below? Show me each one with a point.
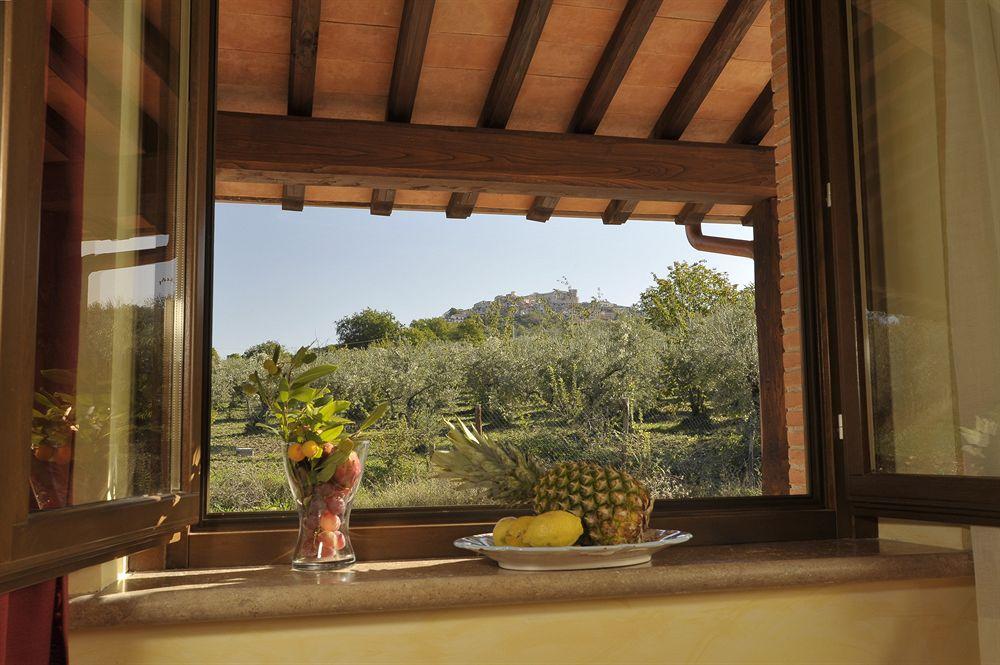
(717, 49)
(524, 33)
(414, 26)
(752, 129)
(355, 153)
(301, 79)
(632, 27)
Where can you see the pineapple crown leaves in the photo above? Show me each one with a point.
(476, 461)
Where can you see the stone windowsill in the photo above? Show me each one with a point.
(277, 591)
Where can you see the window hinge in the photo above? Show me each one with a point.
(840, 426)
(829, 196)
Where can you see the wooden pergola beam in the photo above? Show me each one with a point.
(414, 26)
(356, 153)
(631, 29)
(301, 79)
(752, 129)
(517, 53)
(717, 49)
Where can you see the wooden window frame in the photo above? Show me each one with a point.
(35, 546)
(267, 538)
(956, 499)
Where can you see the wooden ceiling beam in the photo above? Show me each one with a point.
(752, 129)
(517, 53)
(414, 26)
(301, 79)
(356, 153)
(632, 27)
(732, 25)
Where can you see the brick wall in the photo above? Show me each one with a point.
(780, 137)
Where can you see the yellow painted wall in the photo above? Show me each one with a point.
(891, 623)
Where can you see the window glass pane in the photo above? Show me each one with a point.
(558, 336)
(109, 265)
(928, 95)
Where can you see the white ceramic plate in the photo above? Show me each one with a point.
(575, 557)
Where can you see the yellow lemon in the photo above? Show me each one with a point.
(556, 528)
(501, 528)
(515, 532)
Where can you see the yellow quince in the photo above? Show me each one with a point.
(556, 528)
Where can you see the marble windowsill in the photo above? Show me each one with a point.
(277, 591)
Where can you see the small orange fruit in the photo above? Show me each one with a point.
(295, 452)
(311, 449)
(44, 453)
(63, 455)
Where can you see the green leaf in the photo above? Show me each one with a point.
(249, 388)
(309, 358)
(374, 416)
(331, 434)
(303, 394)
(312, 374)
(270, 366)
(275, 354)
(328, 467)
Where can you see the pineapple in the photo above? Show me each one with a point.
(613, 506)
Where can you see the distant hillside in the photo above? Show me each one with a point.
(532, 308)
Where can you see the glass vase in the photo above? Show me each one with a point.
(324, 508)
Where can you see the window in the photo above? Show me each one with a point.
(930, 124)
(713, 409)
(94, 330)
(572, 340)
(921, 416)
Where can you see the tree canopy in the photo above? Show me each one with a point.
(688, 290)
(367, 327)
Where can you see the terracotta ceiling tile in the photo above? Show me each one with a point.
(368, 43)
(254, 32)
(546, 104)
(580, 25)
(480, 52)
(366, 12)
(473, 17)
(450, 96)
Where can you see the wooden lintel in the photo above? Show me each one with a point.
(357, 153)
(520, 47)
(631, 29)
(411, 43)
(735, 19)
(754, 126)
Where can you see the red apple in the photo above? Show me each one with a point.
(336, 504)
(348, 473)
(329, 521)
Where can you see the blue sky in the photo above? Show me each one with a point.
(290, 276)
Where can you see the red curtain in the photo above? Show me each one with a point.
(33, 625)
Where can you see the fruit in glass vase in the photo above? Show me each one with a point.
(336, 504)
(44, 453)
(556, 528)
(63, 454)
(613, 506)
(348, 473)
(295, 452)
(311, 449)
(330, 542)
(329, 521)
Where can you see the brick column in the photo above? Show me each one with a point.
(780, 136)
